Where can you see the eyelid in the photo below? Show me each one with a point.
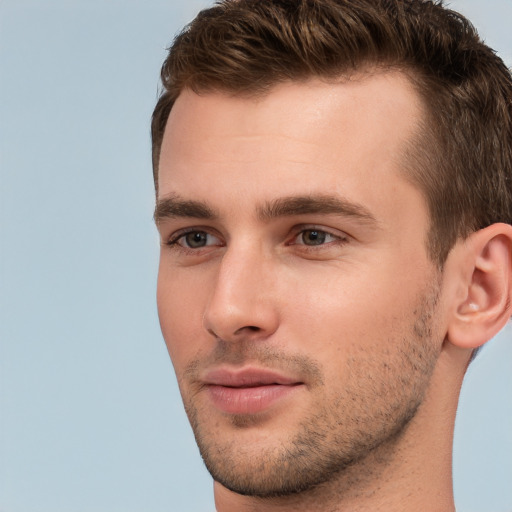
(342, 236)
(175, 236)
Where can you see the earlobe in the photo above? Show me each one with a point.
(486, 303)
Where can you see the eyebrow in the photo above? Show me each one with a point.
(175, 207)
(315, 204)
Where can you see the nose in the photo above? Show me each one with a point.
(243, 302)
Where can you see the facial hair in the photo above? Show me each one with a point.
(378, 394)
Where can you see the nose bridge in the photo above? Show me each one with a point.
(241, 299)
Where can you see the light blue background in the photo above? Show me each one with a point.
(91, 420)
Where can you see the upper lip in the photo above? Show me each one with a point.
(246, 377)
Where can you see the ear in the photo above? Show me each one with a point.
(485, 294)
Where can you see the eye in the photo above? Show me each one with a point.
(194, 240)
(315, 237)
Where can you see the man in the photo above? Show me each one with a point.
(334, 199)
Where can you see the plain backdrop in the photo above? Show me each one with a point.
(90, 415)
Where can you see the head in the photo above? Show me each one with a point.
(462, 159)
(331, 180)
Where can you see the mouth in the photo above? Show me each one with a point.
(248, 391)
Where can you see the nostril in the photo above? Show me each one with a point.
(210, 331)
(251, 328)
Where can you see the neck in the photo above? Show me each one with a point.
(411, 472)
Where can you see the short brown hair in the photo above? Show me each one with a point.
(463, 163)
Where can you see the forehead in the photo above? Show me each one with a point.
(299, 137)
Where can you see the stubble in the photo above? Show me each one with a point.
(350, 425)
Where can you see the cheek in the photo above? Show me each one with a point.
(354, 307)
(180, 311)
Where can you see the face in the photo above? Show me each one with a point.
(295, 293)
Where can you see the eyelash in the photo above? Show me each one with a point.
(174, 241)
(339, 239)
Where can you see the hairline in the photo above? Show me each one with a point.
(416, 155)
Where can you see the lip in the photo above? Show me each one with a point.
(246, 377)
(249, 390)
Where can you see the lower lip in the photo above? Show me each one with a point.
(249, 400)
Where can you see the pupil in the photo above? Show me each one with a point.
(197, 239)
(313, 237)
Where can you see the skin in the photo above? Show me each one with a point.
(346, 305)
